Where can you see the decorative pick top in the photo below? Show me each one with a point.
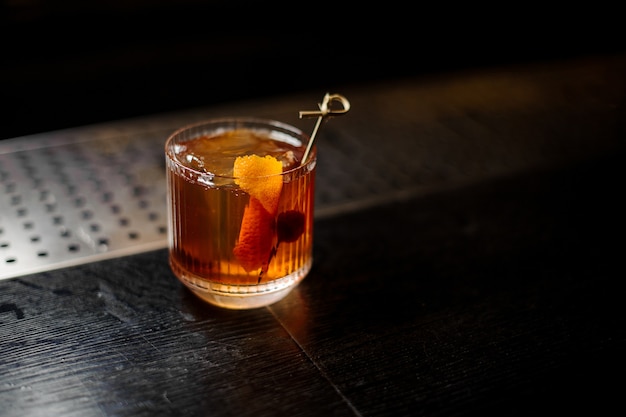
(325, 111)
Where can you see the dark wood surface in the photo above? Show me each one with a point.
(491, 287)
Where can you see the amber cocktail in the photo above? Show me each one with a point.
(240, 208)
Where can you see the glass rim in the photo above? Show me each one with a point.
(271, 123)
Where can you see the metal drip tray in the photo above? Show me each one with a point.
(67, 203)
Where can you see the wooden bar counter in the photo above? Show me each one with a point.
(469, 247)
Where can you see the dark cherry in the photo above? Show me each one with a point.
(290, 225)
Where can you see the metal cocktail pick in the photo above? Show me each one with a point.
(324, 111)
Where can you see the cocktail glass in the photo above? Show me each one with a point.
(240, 209)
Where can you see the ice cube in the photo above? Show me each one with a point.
(194, 162)
(288, 159)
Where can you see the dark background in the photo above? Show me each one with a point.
(70, 63)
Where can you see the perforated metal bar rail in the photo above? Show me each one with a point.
(67, 200)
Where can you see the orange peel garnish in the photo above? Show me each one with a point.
(256, 236)
(260, 177)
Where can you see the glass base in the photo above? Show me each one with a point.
(241, 297)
